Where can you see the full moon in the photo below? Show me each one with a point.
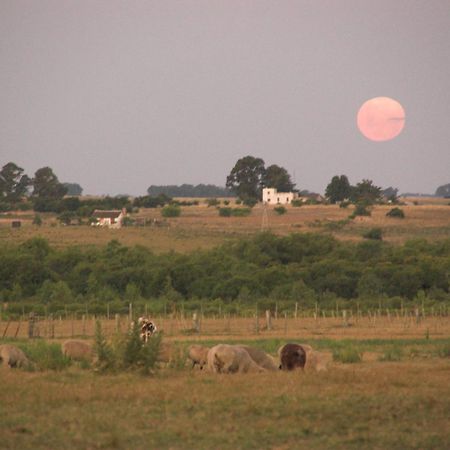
(381, 119)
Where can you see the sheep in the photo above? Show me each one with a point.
(198, 354)
(11, 356)
(77, 350)
(225, 358)
(313, 360)
(292, 356)
(260, 357)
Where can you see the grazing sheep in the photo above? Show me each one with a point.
(77, 350)
(198, 354)
(225, 358)
(314, 360)
(11, 356)
(260, 357)
(292, 356)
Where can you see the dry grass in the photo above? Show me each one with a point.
(202, 227)
(367, 405)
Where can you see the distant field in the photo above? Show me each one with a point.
(201, 227)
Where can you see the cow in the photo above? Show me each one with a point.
(146, 329)
(292, 356)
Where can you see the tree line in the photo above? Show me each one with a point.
(307, 269)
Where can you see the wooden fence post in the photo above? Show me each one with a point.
(268, 320)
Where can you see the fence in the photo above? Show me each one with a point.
(343, 324)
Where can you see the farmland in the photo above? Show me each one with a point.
(201, 227)
(399, 402)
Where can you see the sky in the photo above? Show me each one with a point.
(119, 95)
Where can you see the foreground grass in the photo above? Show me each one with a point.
(389, 405)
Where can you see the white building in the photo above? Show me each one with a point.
(110, 219)
(271, 196)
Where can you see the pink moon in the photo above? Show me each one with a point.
(381, 119)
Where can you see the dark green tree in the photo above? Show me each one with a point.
(246, 177)
(73, 189)
(277, 177)
(443, 191)
(338, 189)
(46, 185)
(365, 192)
(13, 183)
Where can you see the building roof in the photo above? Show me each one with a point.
(104, 214)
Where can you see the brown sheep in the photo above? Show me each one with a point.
(77, 350)
(11, 356)
(292, 356)
(225, 358)
(198, 354)
(260, 357)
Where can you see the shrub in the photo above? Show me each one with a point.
(361, 210)
(249, 201)
(128, 221)
(212, 202)
(66, 217)
(344, 204)
(241, 212)
(104, 355)
(46, 356)
(37, 220)
(225, 212)
(280, 210)
(171, 211)
(226, 202)
(444, 351)
(396, 212)
(297, 202)
(347, 355)
(374, 233)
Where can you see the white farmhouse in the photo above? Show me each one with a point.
(110, 219)
(272, 197)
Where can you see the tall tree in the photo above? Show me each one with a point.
(13, 183)
(277, 177)
(443, 191)
(47, 186)
(366, 191)
(246, 177)
(338, 189)
(73, 189)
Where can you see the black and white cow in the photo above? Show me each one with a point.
(147, 328)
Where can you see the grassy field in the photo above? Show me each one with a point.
(201, 227)
(398, 403)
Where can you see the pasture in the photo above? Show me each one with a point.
(201, 227)
(397, 396)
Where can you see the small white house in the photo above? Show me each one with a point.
(272, 197)
(110, 219)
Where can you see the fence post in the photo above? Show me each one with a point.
(296, 310)
(31, 323)
(256, 319)
(268, 320)
(344, 318)
(117, 325)
(195, 322)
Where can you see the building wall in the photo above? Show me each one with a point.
(272, 197)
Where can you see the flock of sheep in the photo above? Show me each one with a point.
(224, 358)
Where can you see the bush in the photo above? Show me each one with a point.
(396, 212)
(212, 202)
(37, 220)
(104, 355)
(171, 211)
(344, 204)
(444, 351)
(374, 233)
(249, 201)
(225, 212)
(46, 356)
(280, 210)
(360, 210)
(226, 202)
(297, 202)
(235, 212)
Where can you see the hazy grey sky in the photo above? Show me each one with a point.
(118, 95)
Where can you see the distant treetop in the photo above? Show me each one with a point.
(189, 190)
